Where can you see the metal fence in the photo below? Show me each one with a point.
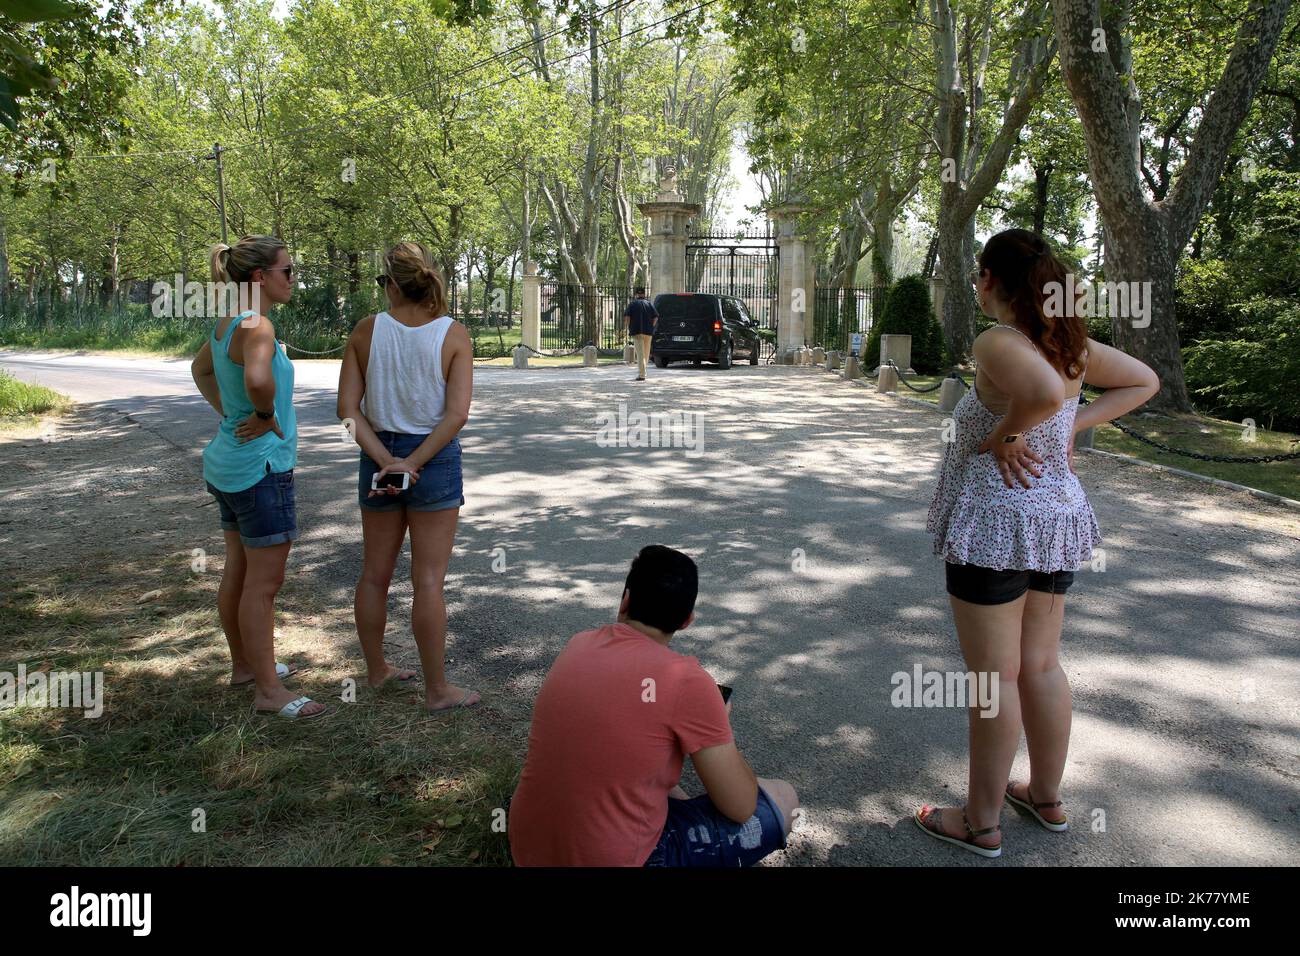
(493, 315)
(574, 316)
(739, 266)
(838, 312)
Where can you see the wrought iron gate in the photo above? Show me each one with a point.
(738, 265)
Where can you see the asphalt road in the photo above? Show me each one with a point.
(805, 509)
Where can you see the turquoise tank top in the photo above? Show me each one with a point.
(227, 464)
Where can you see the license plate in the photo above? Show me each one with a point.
(683, 338)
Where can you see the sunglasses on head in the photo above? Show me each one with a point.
(381, 281)
(287, 270)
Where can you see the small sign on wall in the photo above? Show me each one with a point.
(855, 343)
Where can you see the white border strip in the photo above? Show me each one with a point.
(1255, 492)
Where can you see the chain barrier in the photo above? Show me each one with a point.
(555, 354)
(1199, 456)
(560, 354)
(477, 358)
(929, 388)
(289, 345)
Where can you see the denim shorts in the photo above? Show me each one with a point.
(696, 834)
(439, 486)
(264, 515)
(970, 582)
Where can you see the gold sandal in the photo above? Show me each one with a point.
(930, 820)
(1033, 809)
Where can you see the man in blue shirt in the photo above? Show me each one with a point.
(641, 317)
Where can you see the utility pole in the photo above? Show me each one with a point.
(221, 188)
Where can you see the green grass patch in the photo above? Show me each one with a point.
(18, 399)
(1210, 436)
(374, 782)
(1197, 433)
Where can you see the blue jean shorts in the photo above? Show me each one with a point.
(264, 515)
(439, 486)
(696, 834)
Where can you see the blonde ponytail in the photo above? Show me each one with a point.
(411, 267)
(218, 258)
(237, 263)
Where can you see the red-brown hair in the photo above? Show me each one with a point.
(1024, 265)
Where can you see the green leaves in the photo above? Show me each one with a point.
(32, 11)
(22, 73)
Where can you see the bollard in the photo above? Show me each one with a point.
(888, 381)
(520, 356)
(629, 354)
(805, 356)
(819, 356)
(852, 367)
(1085, 438)
(589, 356)
(834, 360)
(949, 394)
(897, 348)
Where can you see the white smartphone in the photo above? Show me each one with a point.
(401, 480)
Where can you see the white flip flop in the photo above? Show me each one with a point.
(293, 710)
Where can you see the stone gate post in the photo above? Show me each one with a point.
(532, 307)
(669, 216)
(795, 280)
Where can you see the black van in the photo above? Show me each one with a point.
(703, 327)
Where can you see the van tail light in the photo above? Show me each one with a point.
(717, 325)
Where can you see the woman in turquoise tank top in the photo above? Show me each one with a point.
(245, 375)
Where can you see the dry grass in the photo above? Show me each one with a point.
(374, 782)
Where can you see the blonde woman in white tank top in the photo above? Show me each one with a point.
(405, 386)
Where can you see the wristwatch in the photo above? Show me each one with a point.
(264, 416)
(1008, 439)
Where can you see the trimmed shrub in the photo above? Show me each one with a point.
(909, 311)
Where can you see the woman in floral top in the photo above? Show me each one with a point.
(1013, 523)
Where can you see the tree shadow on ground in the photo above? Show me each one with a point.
(806, 514)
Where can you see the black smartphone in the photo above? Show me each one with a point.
(726, 693)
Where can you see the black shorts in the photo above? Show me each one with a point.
(970, 582)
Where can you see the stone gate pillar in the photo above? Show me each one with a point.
(532, 307)
(669, 216)
(936, 297)
(795, 280)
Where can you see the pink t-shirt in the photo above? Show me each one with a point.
(613, 722)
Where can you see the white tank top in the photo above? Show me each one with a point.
(405, 390)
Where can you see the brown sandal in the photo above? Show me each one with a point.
(1033, 808)
(928, 815)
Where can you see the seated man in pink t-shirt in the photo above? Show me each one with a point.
(614, 721)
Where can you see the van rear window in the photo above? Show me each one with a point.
(686, 307)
